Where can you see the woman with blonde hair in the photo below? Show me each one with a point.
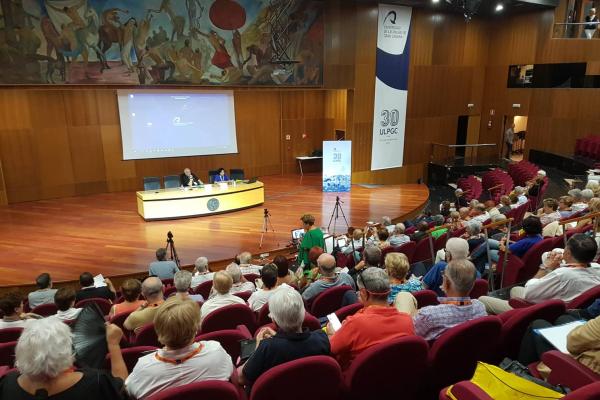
(397, 266)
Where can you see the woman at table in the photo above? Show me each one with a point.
(221, 176)
(313, 236)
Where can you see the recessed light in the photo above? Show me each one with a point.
(499, 7)
(435, 1)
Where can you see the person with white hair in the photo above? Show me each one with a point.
(152, 290)
(288, 342)
(222, 283)
(594, 186)
(591, 23)
(587, 195)
(578, 204)
(480, 213)
(245, 262)
(202, 273)
(44, 361)
(535, 185)
(375, 323)
(328, 278)
(455, 307)
(519, 191)
(240, 284)
(182, 281)
(456, 249)
(387, 224)
(399, 237)
(461, 201)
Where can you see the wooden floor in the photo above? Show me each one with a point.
(104, 234)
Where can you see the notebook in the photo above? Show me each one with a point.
(557, 335)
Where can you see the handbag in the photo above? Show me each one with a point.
(499, 384)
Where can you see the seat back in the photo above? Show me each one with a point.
(328, 301)
(244, 295)
(366, 379)
(533, 258)
(465, 390)
(408, 249)
(348, 310)
(251, 277)
(440, 242)
(422, 251)
(588, 392)
(151, 183)
(236, 173)
(10, 334)
(584, 300)
(204, 289)
(211, 175)
(229, 339)
(513, 266)
(7, 353)
(45, 310)
(514, 328)
(450, 362)
(480, 288)
(103, 304)
(171, 290)
(146, 336)
(206, 390)
(385, 252)
(426, 298)
(262, 317)
(171, 181)
(283, 379)
(229, 317)
(167, 282)
(131, 355)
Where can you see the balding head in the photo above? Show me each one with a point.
(326, 263)
(152, 289)
(245, 257)
(234, 270)
(460, 276)
(222, 282)
(457, 249)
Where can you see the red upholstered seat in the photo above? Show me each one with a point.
(103, 304)
(244, 295)
(422, 251)
(146, 336)
(206, 390)
(131, 356)
(466, 390)
(567, 371)
(229, 317)
(426, 298)
(480, 288)
(204, 289)
(328, 301)
(10, 334)
(348, 310)
(45, 310)
(229, 339)
(7, 353)
(585, 299)
(408, 249)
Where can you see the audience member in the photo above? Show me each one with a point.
(371, 258)
(532, 228)
(438, 220)
(246, 265)
(328, 278)
(163, 268)
(240, 284)
(65, 301)
(202, 273)
(44, 360)
(377, 322)
(578, 204)
(152, 290)
(549, 212)
(397, 266)
(386, 223)
(586, 195)
(313, 236)
(461, 201)
(44, 293)
(480, 214)
(131, 290)
(594, 186)
(181, 361)
(457, 307)
(284, 275)
(505, 205)
(464, 215)
(382, 238)
(289, 343)
(473, 234)
(593, 207)
(520, 193)
(421, 233)
(11, 305)
(222, 283)
(358, 242)
(564, 206)
(445, 207)
(399, 238)
(456, 249)
(534, 186)
(182, 281)
(490, 207)
(90, 291)
(268, 275)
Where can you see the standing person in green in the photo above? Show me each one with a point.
(313, 236)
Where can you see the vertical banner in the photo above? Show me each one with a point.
(337, 166)
(391, 86)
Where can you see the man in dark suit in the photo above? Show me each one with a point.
(89, 290)
(189, 179)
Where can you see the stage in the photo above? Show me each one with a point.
(104, 233)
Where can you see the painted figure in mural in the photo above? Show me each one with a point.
(177, 21)
(110, 30)
(236, 41)
(127, 43)
(195, 11)
(221, 58)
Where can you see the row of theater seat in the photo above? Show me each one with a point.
(588, 147)
(498, 183)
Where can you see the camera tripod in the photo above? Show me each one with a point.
(267, 225)
(336, 214)
(170, 247)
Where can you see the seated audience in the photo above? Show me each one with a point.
(284, 275)
(564, 206)
(499, 232)
(491, 209)
(456, 249)
(464, 215)
(505, 205)
(90, 291)
(371, 257)
(131, 290)
(376, 323)
(182, 361)
(358, 242)
(461, 201)
(44, 293)
(386, 223)
(578, 204)
(549, 212)
(222, 283)
(563, 276)
(240, 284)
(421, 233)
(152, 290)
(480, 214)
(202, 273)
(65, 301)
(382, 238)
(457, 307)
(246, 265)
(520, 193)
(397, 266)
(473, 234)
(534, 185)
(445, 207)
(163, 268)
(593, 207)
(438, 220)
(182, 282)
(11, 305)
(532, 228)
(399, 238)
(44, 360)
(328, 279)
(289, 343)
(514, 200)
(268, 275)
(454, 221)
(594, 186)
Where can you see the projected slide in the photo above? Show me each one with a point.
(158, 124)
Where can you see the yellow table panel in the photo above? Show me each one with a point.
(211, 199)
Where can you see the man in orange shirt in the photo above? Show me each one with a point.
(376, 323)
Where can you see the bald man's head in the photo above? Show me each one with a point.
(152, 289)
(222, 282)
(326, 263)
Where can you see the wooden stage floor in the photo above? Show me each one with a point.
(104, 234)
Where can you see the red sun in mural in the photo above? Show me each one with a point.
(227, 15)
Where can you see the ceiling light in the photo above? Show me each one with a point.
(435, 1)
(499, 7)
